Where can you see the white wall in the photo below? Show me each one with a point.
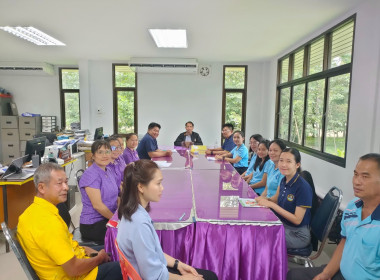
(34, 94)
(363, 130)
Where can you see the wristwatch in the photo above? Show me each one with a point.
(175, 266)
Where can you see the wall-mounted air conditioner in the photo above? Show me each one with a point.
(164, 65)
(26, 68)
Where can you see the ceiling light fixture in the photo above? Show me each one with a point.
(33, 35)
(169, 38)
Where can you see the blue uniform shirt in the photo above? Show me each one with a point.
(229, 144)
(242, 152)
(139, 242)
(297, 192)
(251, 164)
(258, 174)
(147, 144)
(361, 253)
(273, 181)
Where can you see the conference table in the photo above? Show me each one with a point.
(200, 221)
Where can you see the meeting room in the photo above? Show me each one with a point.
(233, 140)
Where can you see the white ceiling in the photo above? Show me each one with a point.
(218, 30)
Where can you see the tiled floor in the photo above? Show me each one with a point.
(11, 269)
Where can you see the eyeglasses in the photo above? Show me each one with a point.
(114, 148)
(103, 152)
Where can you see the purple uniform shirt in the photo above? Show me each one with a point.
(97, 178)
(130, 155)
(117, 169)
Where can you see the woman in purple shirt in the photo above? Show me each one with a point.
(117, 164)
(130, 154)
(99, 193)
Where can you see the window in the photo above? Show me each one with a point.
(313, 93)
(70, 101)
(124, 99)
(234, 96)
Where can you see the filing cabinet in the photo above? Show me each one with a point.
(10, 139)
(49, 123)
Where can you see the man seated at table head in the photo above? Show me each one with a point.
(148, 146)
(189, 137)
(358, 253)
(45, 237)
(228, 145)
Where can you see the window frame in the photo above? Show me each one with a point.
(115, 90)
(242, 91)
(325, 74)
(62, 92)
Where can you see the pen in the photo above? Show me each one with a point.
(180, 218)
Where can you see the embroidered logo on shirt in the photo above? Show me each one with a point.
(290, 197)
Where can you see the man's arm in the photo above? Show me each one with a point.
(159, 153)
(76, 267)
(334, 264)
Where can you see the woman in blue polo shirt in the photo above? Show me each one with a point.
(293, 200)
(254, 142)
(261, 168)
(239, 155)
(274, 175)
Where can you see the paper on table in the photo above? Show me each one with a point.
(211, 158)
(163, 163)
(249, 202)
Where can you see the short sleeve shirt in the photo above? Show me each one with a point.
(273, 181)
(258, 174)
(251, 164)
(242, 152)
(146, 145)
(139, 242)
(361, 253)
(97, 178)
(117, 169)
(47, 242)
(296, 193)
(130, 155)
(228, 144)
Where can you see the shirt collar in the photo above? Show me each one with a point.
(98, 169)
(46, 204)
(293, 180)
(375, 214)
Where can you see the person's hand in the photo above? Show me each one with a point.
(322, 276)
(260, 198)
(218, 157)
(264, 202)
(191, 277)
(168, 153)
(208, 152)
(103, 256)
(89, 250)
(186, 269)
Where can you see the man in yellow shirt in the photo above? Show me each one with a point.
(46, 240)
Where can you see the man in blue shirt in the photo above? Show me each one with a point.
(228, 145)
(358, 253)
(148, 147)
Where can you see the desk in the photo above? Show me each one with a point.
(216, 232)
(20, 195)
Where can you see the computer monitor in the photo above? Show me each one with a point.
(35, 146)
(98, 133)
(50, 137)
(15, 166)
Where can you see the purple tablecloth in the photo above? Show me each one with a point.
(200, 221)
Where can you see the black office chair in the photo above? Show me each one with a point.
(320, 226)
(19, 252)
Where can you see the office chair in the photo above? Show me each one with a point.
(320, 226)
(128, 271)
(19, 252)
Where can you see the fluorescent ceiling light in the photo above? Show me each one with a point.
(33, 35)
(169, 38)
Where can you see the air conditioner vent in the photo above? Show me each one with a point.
(26, 68)
(164, 65)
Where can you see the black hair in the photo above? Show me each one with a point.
(229, 125)
(296, 154)
(129, 135)
(240, 132)
(261, 162)
(190, 123)
(135, 173)
(279, 143)
(112, 138)
(372, 156)
(153, 125)
(98, 144)
(258, 138)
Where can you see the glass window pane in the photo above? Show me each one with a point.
(337, 111)
(315, 101)
(124, 76)
(297, 114)
(298, 64)
(70, 78)
(125, 111)
(316, 56)
(341, 47)
(71, 108)
(284, 70)
(234, 109)
(234, 78)
(283, 123)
